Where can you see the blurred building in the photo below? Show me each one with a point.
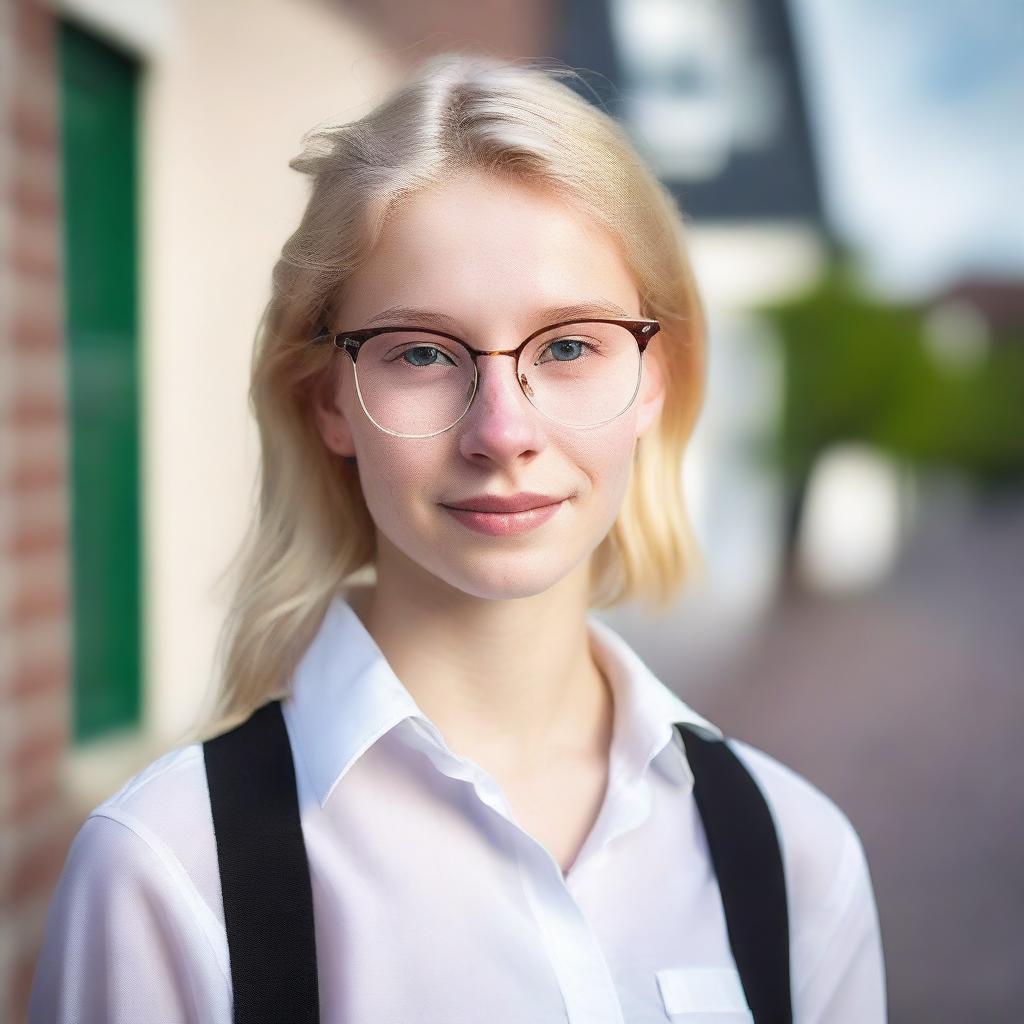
(714, 98)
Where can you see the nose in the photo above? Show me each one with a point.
(501, 421)
(495, 386)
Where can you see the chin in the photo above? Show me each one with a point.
(512, 575)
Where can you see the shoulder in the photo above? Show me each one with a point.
(158, 826)
(828, 882)
(138, 899)
(166, 798)
(814, 831)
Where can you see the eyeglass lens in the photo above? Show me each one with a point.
(418, 384)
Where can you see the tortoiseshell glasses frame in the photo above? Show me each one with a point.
(352, 341)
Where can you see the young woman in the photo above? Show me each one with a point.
(476, 378)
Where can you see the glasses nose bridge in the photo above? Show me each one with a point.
(514, 355)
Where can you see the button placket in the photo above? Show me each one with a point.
(575, 954)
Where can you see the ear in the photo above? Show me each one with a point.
(651, 396)
(328, 407)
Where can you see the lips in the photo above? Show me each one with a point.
(505, 524)
(501, 504)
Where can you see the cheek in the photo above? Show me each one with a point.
(618, 470)
(606, 457)
(392, 475)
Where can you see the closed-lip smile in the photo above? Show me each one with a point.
(496, 503)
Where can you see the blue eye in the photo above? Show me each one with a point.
(425, 348)
(571, 355)
(565, 341)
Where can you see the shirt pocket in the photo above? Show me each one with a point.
(704, 995)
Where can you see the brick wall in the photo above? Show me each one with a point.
(36, 823)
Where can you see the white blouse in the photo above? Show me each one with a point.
(432, 904)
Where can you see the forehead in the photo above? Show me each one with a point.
(478, 247)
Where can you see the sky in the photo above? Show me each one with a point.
(918, 110)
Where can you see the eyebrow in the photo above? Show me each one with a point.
(548, 315)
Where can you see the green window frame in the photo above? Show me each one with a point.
(99, 128)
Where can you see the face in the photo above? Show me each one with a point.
(489, 255)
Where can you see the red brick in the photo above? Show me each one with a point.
(36, 331)
(34, 475)
(37, 600)
(35, 538)
(20, 981)
(34, 752)
(34, 182)
(37, 410)
(35, 30)
(37, 679)
(28, 127)
(35, 871)
(34, 254)
(34, 796)
(34, 200)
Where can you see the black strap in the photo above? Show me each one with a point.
(747, 859)
(264, 874)
(268, 901)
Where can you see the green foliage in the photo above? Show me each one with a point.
(858, 369)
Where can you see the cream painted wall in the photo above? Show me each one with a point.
(225, 105)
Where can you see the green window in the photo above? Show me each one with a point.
(99, 88)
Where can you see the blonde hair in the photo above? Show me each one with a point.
(312, 531)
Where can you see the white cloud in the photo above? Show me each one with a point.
(918, 108)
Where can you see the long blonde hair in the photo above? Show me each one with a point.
(312, 530)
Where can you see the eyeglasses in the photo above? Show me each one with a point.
(418, 382)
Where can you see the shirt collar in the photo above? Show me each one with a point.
(345, 696)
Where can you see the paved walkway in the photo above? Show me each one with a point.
(906, 706)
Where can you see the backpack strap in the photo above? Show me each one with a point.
(264, 873)
(747, 860)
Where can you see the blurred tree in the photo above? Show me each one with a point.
(857, 368)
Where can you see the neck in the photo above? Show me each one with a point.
(511, 684)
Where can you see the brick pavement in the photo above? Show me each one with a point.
(906, 706)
